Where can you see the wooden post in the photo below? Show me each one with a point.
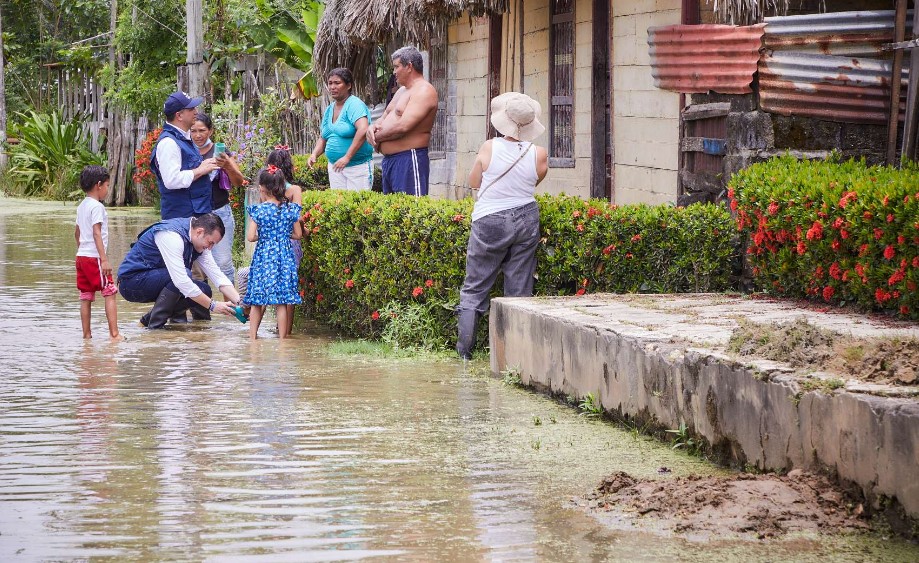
(600, 86)
(893, 121)
(195, 56)
(2, 102)
(909, 124)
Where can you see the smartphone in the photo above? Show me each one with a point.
(219, 149)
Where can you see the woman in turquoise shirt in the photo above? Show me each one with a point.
(343, 136)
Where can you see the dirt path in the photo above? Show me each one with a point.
(756, 506)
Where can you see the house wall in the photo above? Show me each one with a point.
(645, 120)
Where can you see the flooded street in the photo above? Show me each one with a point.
(192, 443)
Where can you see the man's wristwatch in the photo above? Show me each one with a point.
(212, 306)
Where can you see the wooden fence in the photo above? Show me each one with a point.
(79, 93)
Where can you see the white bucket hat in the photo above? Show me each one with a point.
(517, 115)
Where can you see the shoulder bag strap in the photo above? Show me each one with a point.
(509, 168)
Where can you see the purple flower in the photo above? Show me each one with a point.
(248, 135)
(247, 126)
(242, 146)
(261, 130)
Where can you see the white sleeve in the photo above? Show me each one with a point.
(171, 248)
(169, 160)
(212, 270)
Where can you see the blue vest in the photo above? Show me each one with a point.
(145, 255)
(196, 200)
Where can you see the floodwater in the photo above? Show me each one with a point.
(194, 444)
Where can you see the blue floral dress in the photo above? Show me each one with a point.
(273, 274)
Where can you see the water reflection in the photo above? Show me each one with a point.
(195, 443)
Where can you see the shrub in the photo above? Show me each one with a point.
(843, 233)
(369, 256)
(143, 175)
(50, 155)
(315, 178)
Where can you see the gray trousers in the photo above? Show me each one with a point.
(504, 241)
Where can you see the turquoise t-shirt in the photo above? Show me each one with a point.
(340, 134)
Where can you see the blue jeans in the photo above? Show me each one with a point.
(145, 286)
(223, 250)
(503, 241)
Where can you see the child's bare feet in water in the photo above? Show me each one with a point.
(118, 338)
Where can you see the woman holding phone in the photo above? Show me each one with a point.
(222, 180)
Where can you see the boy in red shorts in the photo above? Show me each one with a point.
(94, 273)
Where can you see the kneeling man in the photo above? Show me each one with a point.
(157, 269)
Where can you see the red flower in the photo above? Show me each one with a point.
(609, 249)
(580, 292)
(580, 227)
(576, 214)
(878, 233)
(889, 252)
(801, 248)
(890, 217)
(816, 231)
(318, 297)
(428, 283)
(349, 284)
(773, 208)
(847, 198)
(301, 293)
(758, 238)
(835, 270)
(838, 223)
(844, 233)
(628, 255)
(904, 310)
(733, 205)
(896, 278)
(636, 238)
(585, 282)
(375, 315)
(347, 270)
(863, 249)
(886, 200)
(417, 291)
(916, 262)
(835, 244)
(731, 193)
(828, 293)
(901, 240)
(458, 217)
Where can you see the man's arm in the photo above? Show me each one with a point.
(419, 106)
(372, 131)
(216, 275)
(169, 159)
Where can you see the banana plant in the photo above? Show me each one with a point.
(291, 38)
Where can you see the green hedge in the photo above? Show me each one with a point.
(842, 233)
(369, 258)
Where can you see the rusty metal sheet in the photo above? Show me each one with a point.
(702, 58)
(847, 89)
(856, 34)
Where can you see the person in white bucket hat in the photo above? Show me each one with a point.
(505, 218)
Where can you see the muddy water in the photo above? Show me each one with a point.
(193, 444)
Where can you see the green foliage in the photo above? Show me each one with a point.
(412, 325)
(294, 36)
(50, 156)
(590, 406)
(840, 232)
(511, 377)
(683, 439)
(315, 178)
(364, 251)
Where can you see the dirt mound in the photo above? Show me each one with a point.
(759, 505)
(803, 345)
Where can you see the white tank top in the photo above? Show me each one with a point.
(515, 188)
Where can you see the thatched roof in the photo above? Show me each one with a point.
(351, 30)
(747, 12)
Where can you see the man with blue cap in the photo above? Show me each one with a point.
(181, 174)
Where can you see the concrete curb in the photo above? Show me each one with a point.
(755, 414)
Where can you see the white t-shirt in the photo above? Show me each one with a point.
(89, 212)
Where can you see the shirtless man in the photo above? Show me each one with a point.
(403, 132)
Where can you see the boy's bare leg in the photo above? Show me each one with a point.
(282, 321)
(111, 314)
(86, 308)
(255, 319)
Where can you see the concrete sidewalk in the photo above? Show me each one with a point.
(663, 359)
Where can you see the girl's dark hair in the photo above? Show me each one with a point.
(273, 182)
(281, 159)
(205, 119)
(342, 73)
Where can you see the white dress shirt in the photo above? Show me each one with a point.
(169, 160)
(171, 247)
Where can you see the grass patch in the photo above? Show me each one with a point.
(372, 349)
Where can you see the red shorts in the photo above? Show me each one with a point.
(90, 279)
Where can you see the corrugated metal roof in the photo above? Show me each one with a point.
(859, 34)
(829, 66)
(848, 89)
(703, 58)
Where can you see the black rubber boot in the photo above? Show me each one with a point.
(467, 321)
(199, 312)
(179, 317)
(166, 305)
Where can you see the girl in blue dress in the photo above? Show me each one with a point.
(273, 273)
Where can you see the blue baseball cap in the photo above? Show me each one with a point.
(178, 101)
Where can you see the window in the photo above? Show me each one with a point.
(438, 74)
(561, 84)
